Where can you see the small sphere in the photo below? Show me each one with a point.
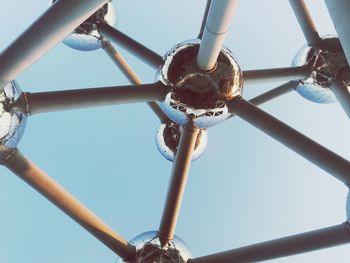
(198, 95)
(326, 62)
(86, 37)
(149, 250)
(12, 122)
(168, 138)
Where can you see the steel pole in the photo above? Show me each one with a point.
(305, 22)
(45, 185)
(274, 93)
(299, 143)
(217, 25)
(282, 247)
(51, 101)
(339, 11)
(204, 20)
(121, 63)
(139, 50)
(55, 24)
(342, 93)
(181, 167)
(275, 74)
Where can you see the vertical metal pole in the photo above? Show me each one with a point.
(217, 25)
(342, 93)
(205, 16)
(45, 185)
(181, 167)
(305, 21)
(55, 24)
(339, 11)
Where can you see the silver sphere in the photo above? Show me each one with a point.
(149, 250)
(326, 62)
(86, 37)
(198, 95)
(12, 122)
(168, 138)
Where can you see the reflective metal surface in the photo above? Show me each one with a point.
(149, 250)
(196, 94)
(12, 122)
(86, 37)
(168, 137)
(326, 62)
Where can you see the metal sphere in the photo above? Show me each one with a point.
(168, 138)
(12, 122)
(149, 250)
(198, 95)
(86, 37)
(326, 62)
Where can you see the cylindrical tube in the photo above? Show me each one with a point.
(54, 192)
(305, 21)
(181, 167)
(41, 102)
(144, 53)
(217, 25)
(339, 11)
(294, 140)
(275, 74)
(282, 247)
(55, 24)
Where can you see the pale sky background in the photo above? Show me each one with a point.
(246, 188)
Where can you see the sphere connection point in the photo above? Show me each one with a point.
(198, 95)
(326, 62)
(86, 37)
(168, 138)
(12, 121)
(149, 250)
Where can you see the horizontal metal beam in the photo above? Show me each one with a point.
(275, 74)
(45, 185)
(282, 247)
(274, 93)
(217, 25)
(131, 45)
(179, 174)
(130, 74)
(306, 23)
(294, 140)
(51, 101)
(50, 28)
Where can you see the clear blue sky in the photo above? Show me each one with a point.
(246, 188)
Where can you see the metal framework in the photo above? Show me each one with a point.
(65, 15)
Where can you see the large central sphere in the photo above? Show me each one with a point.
(149, 250)
(198, 95)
